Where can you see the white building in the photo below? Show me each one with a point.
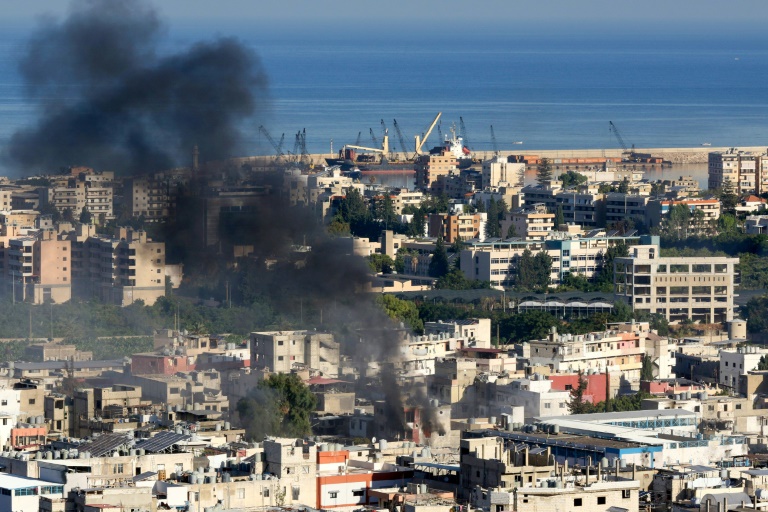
(499, 172)
(535, 395)
(735, 363)
(477, 331)
(18, 493)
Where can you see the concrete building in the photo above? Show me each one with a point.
(582, 208)
(476, 330)
(126, 268)
(456, 227)
(619, 207)
(531, 222)
(535, 395)
(283, 351)
(495, 260)
(736, 363)
(746, 171)
(149, 198)
(38, 268)
(704, 213)
(76, 195)
(620, 349)
(19, 493)
(430, 167)
(498, 171)
(699, 289)
(756, 225)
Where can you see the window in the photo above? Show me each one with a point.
(601, 500)
(265, 493)
(361, 492)
(31, 401)
(4, 402)
(626, 493)
(333, 494)
(241, 494)
(576, 502)
(117, 469)
(279, 358)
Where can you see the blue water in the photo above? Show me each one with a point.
(557, 92)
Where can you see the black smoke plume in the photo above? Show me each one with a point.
(108, 98)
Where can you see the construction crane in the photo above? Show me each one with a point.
(359, 138)
(305, 159)
(629, 154)
(400, 137)
(278, 146)
(373, 137)
(493, 143)
(420, 141)
(463, 133)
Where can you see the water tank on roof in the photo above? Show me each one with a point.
(226, 477)
(382, 444)
(227, 425)
(193, 478)
(724, 474)
(492, 420)
(604, 462)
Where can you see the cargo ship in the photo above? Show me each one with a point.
(349, 160)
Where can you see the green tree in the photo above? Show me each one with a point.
(85, 216)
(438, 266)
(492, 228)
(572, 179)
(678, 220)
(533, 272)
(646, 370)
(279, 405)
(559, 217)
(726, 224)
(624, 186)
(455, 280)
(577, 405)
(401, 310)
(67, 215)
(728, 197)
(511, 231)
(762, 364)
(544, 172)
(381, 263)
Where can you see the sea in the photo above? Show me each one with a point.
(557, 90)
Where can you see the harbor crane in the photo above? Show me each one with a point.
(359, 138)
(373, 137)
(494, 143)
(420, 141)
(400, 137)
(463, 133)
(277, 145)
(628, 155)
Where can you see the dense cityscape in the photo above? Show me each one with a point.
(405, 323)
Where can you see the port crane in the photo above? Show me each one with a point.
(463, 133)
(494, 143)
(277, 145)
(628, 155)
(420, 141)
(400, 137)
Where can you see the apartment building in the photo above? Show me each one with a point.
(657, 211)
(456, 227)
(582, 208)
(125, 268)
(747, 171)
(148, 197)
(496, 260)
(531, 222)
(38, 268)
(619, 207)
(696, 288)
(498, 171)
(476, 330)
(283, 351)
(76, 195)
(756, 225)
(429, 167)
(402, 198)
(618, 349)
(736, 363)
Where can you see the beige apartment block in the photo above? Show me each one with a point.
(148, 197)
(704, 213)
(429, 167)
(455, 227)
(499, 172)
(696, 288)
(38, 268)
(127, 267)
(532, 222)
(747, 171)
(283, 351)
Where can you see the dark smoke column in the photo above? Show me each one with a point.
(109, 100)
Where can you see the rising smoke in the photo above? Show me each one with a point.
(109, 98)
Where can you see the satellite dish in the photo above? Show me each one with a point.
(373, 440)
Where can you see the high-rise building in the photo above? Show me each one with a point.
(747, 171)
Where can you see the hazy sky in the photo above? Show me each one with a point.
(337, 15)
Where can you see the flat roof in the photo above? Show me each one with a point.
(8, 481)
(572, 440)
(607, 417)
